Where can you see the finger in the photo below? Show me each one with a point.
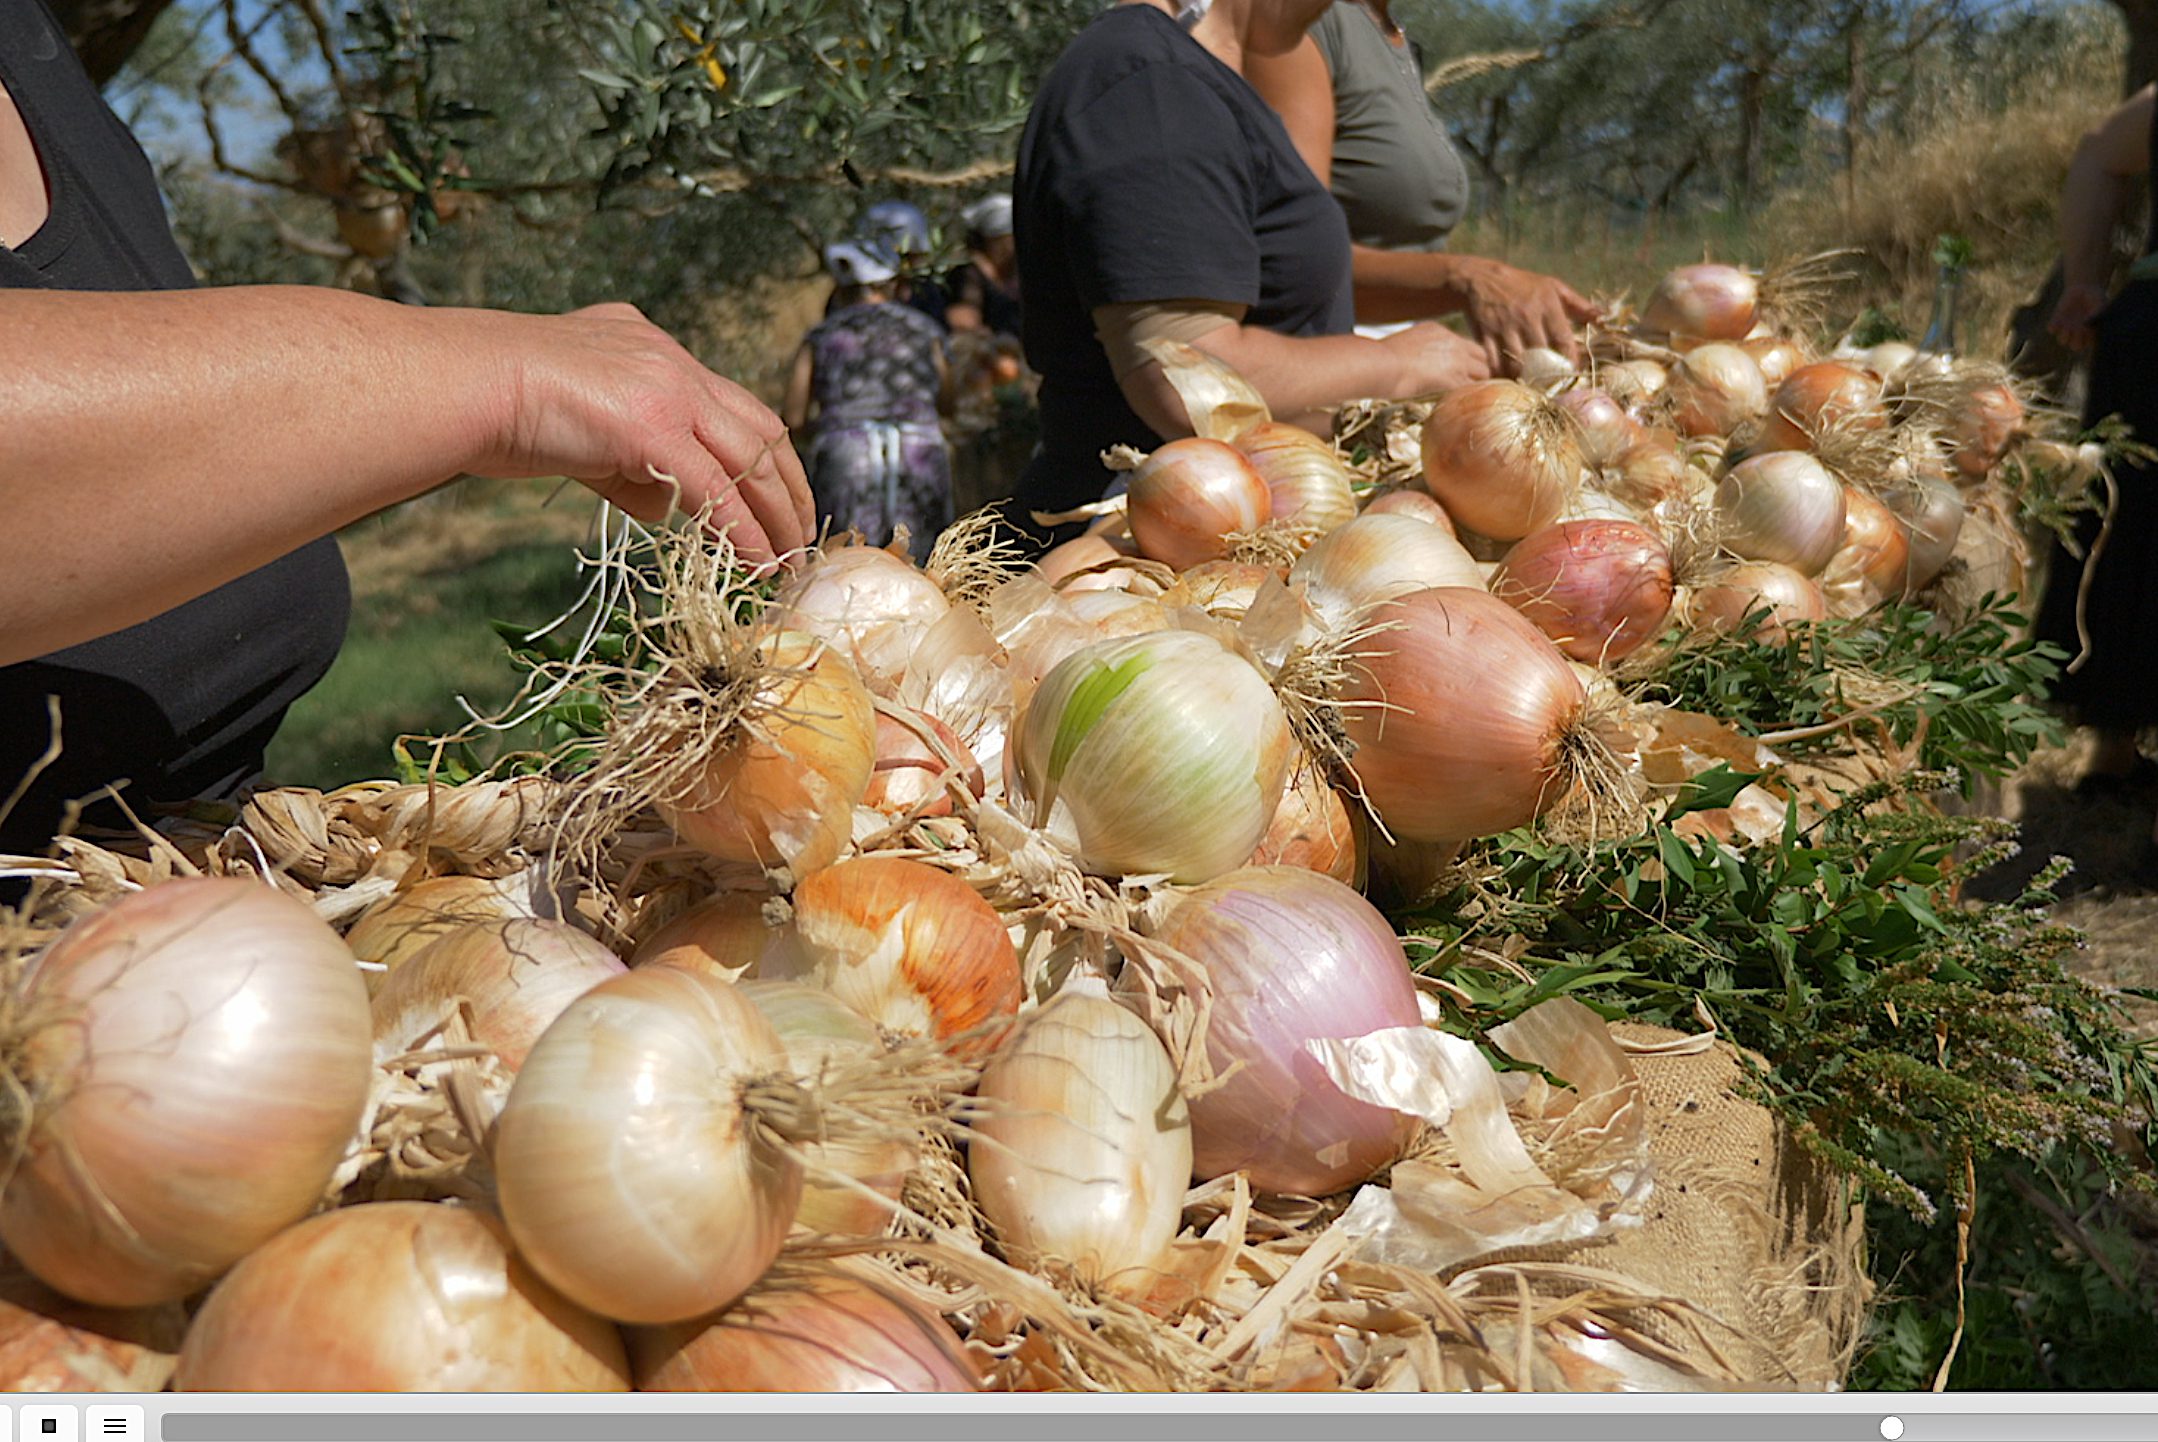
(770, 503)
(708, 488)
(1579, 308)
(1513, 344)
(1559, 330)
(642, 498)
(774, 445)
(1493, 360)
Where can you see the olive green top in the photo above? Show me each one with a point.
(1396, 172)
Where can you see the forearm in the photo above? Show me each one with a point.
(201, 434)
(2092, 203)
(1298, 376)
(1399, 285)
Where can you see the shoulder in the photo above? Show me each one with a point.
(1130, 53)
(1328, 32)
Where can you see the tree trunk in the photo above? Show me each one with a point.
(2142, 20)
(105, 32)
(1855, 102)
(1752, 103)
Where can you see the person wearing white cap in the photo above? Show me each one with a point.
(985, 290)
(872, 378)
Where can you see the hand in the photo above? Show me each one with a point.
(1434, 358)
(2071, 323)
(605, 397)
(1515, 311)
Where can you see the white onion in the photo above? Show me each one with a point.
(1713, 302)
(1932, 510)
(1501, 458)
(1784, 506)
(1306, 481)
(1311, 828)
(726, 935)
(407, 921)
(514, 976)
(1717, 389)
(1544, 367)
(1408, 501)
(1873, 564)
(1739, 590)
(1189, 496)
(872, 605)
(1375, 558)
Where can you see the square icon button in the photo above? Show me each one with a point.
(47, 1424)
(112, 1424)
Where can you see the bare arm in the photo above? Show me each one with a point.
(1301, 89)
(801, 384)
(1512, 310)
(2100, 179)
(164, 443)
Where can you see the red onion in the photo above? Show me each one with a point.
(1714, 302)
(1292, 956)
(1600, 589)
(1189, 496)
(1502, 458)
(1717, 388)
(1817, 398)
(1606, 428)
(1741, 589)
(1784, 506)
(811, 1332)
(1305, 479)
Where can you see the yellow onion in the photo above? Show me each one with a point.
(631, 1158)
(872, 606)
(1189, 496)
(1712, 302)
(1408, 501)
(1168, 753)
(1544, 367)
(1291, 956)
(1222, 588)
(1083, 1150)
(1600, 589)
(1502, 458)
(1607, 430)
(1081, 553)
(910, 774)
(1982, 424)
(395, 1297)
(726, 935)
(1376, 558)
(1306, 482)
(1634, 383)
(821, 1032)
(49, 1343)
(910, 946)
(781, 791)
(1311, 828)
(1932, 510)
(515, 976)
(1738, 591)
(807, 1332)
(1784, 506)
(1649, 475)
(1776, 357)
(407, 921)
(195, 1058)
(1717, 389)
(1821, 397)
(1461, 715)
(1890, 360)
(1874, 563)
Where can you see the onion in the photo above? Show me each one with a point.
(1932, 510)
(726, 935)
(1291, 956)
(1311, 828)
(1189, 496)
(1890, 360)
(1740, 590)
(1376, 558)
(1306, 482)
(1407, 501)
(395, 1297)
(1406, 875)
(1713, 302)
(406, 922)
(1776, 357)
(910, 946)
(1982, 424)
(195, 1058)
(1634, 383)
(870, 604)
(1221, 588)
(821, 1032)
(515, 976)
(1168, 752)
(1817, 398)
(49, 1343)
(1874, 563)
(1501, 458)
(1606, 429)
(1717, 388)
(1600, 589)
(1648, 475)
(633, 1159)
(1461, 716)
(1543, 367)
(909, 776)
(1784, 506)
(1084, 1147)
(1080, 553)
(820, 1331)
(781, 790)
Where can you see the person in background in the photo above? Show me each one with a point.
(984, 289)
(1352, 95)
(900, 233)
(994, 425)
(873, 381)
(174, 460)
(1158, 197)
(2115, 690)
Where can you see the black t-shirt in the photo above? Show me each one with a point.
(1150, 171)
(183, 704)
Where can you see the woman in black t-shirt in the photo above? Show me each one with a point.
(173, 460)
(1158, 195)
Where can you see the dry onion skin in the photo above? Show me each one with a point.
(909, 946)
(781, 790)
(1311, 828)
(1083, 1151)
(194, 1059)
(1716, 389)
(910, 773)
(1600, 589)
(1306, 482)
(396, 1297)
(513, 979)
(51, 1343)
(727, 935)
(1738, 591)
(1707, 302)
(1168, 752)
(872, 606)
(1461, 714)
(807, 1332)
(632, 1174)
(1502, 458)
(1291, 956)
(1784, 506)
(1190, 496)
(406, 922)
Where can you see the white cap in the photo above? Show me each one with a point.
(990, 217)
(853, 264)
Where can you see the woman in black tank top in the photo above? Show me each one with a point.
(173, 461)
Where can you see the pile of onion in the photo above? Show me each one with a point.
(1784, 506)
(513, 978)
(1873, 565)
(807, 1331)
(1190, 496)
(1502, 458)
(1716, 389)
(1375, 558)
(195, 1058)
(1709, 302)
(1306, 481)
(873, 606)
(1818, 399)
(1600, 589)
(1737, 591)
